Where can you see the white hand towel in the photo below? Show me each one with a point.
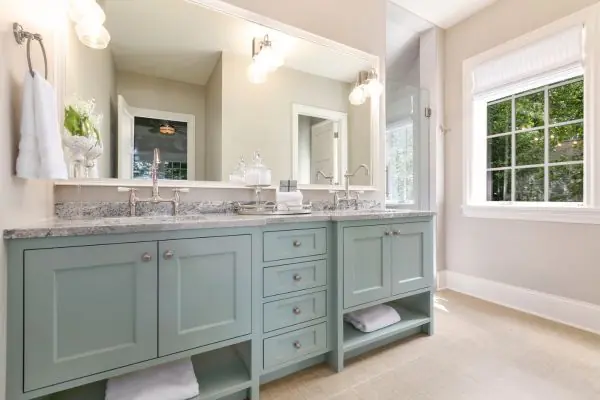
(289, 198)
(373, 318)
(28, 161)
(172, 381)
(52, 159)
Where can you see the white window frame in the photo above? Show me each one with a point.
(474, 159)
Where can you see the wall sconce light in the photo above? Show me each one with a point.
(265, 59)
(89, 19)
(367, 85)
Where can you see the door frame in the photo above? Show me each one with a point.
(158, 114)
(340, 117)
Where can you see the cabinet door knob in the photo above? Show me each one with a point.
(297, 243)
(146, 257)
(297, 344)
(297, 277)
(168, 254)
(397, 233)
(388, 233)
(297, 310)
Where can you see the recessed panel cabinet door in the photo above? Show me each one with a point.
(367, 275)
(412, 257)
(88, 309)
(205, 291)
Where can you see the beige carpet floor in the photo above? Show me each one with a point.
(479, 351)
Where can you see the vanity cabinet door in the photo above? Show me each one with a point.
(87, 310)
(205, 291)
(412, 257)
(366, 260)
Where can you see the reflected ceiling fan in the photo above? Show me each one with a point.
(164, 127)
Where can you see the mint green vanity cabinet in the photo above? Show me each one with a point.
(367, 264)
(87, 310)
(412, 256)
(205, 291)
(289, 278)
(294, 243)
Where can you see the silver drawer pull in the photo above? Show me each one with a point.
(297, 277)
(297, 243)
(397, 233)
(297, 310)
(168, 254)
(388, 233)
(146, 257)
(297, 344)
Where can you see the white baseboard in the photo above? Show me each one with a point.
(442, 281)
(578, 314)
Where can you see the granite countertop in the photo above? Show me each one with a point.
(62, 227)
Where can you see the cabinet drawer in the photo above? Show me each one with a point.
(282, 245)
(282, 313)
(291, 346)
(294, 277)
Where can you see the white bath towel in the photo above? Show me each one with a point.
(40, 148)
(373, 318)
(289, 200)
(172, 381)
(28, 161)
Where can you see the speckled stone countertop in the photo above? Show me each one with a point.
(104, 226)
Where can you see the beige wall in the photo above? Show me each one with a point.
(89, 73)
(214, 122)
(260, 116)
(21, 202)
(159, 94)
(555, 258)
(359, 141)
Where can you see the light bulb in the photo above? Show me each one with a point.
(357, 96)
(93, 36)
(269, 58)
(374, 88)
(256, 73)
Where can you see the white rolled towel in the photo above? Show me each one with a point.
(172, 381)
(373, 318)
(289, 199)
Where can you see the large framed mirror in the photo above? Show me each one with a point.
(208, 89)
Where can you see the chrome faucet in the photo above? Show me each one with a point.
(330, 178)
(155, 198)
(348, 196)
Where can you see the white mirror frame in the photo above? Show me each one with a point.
(377, 149)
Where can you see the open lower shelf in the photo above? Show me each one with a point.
(354, 339)
(220, 373)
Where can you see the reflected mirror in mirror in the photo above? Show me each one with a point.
(207, 89)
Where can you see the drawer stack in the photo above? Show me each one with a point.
(295, 296)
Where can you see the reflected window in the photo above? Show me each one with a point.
(400, 163)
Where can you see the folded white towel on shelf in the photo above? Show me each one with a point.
(172, 381)
(289, 199)
(40, 148)
(373, 318)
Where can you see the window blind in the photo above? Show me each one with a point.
(560, 54)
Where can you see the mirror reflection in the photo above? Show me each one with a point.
(208, 90)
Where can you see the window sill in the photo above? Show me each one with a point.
(571, 214)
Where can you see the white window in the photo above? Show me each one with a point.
(400, 168)
(528, 122)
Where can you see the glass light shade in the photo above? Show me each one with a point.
(357, 96)
(374, 88)
(78, 9)
(86, 12)
(93, 36)
(256, 73)
(269, 58)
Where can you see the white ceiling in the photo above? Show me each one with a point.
(444, 13)
(182, 41)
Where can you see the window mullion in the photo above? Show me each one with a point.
(546, 145)
(513, 150)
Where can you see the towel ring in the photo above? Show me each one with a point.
(20, 36)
